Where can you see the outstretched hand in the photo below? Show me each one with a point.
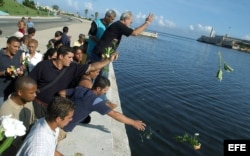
(139, 125)
(150, 17)
(113, 57)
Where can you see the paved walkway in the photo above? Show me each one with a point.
(104, 136)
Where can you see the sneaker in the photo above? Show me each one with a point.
(86, 120)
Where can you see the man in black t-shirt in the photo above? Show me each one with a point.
(113, 34)
(57, 74)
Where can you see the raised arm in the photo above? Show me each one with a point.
(137, 124)
(141, 28)
(103, 63)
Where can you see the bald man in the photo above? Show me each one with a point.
(19, 104)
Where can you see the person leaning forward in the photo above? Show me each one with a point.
(87, 100)
(58, 74)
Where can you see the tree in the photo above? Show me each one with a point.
(1, 2)
(86, 12)
(96, 15)
(55, 7)
(30, 4)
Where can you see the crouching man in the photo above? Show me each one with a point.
(88, 100)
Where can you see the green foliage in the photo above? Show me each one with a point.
(55, 7)
(96, 15)
(146, 134)
(1, 2)
(14, 8)
(110, 50)
(30, 4)
(191, 139)
(227, 68)
(86, 12)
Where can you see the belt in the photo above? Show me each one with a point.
(40, 102)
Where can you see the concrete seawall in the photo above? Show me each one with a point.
(104, 136)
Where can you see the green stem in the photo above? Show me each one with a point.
(6, 144)
(220, 59)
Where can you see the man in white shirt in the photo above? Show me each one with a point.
(42, 139)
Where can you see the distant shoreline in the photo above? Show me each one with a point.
(227, 42)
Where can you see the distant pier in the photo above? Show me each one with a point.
(226, 41)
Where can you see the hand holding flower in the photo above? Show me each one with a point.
(113, 56)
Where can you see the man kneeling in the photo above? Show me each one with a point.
(88, 100)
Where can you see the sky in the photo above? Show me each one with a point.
(190, 18)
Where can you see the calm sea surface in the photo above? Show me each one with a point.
(170, 84)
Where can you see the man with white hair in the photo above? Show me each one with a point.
(113, 34)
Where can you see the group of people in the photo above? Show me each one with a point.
(53, 92)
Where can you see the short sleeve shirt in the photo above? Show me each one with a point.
(7, 83)
(115, 31)
(85, 103)
(41, 140)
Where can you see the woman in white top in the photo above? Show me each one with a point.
(33, 57)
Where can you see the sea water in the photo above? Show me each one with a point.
(170, 84)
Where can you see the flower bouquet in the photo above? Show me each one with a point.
(192, 140)
(110, 50)
(10, 128)
(227, 68)
(14, 72)
(26, 60)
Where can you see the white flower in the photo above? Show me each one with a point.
(196, 134)
(12, 127)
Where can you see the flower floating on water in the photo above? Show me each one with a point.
(146, 134)
(227, 68)
(10, 128)
(191, 139)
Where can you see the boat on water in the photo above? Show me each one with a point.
(149, 34)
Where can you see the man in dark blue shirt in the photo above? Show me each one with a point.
(87, 100)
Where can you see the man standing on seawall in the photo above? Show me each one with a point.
(96, 31)
(115, 31)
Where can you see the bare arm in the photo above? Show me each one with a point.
(62, 93)
(2, 73)
(137, 124)
(139, 29)
(103, 63)
(57, 153)
(85, 83)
